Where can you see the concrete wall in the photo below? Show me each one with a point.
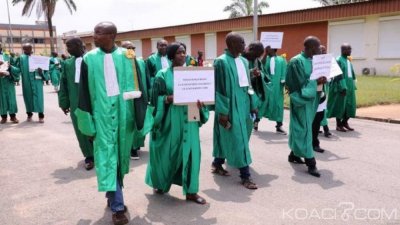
(370, 57)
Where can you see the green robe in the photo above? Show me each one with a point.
(275, 93)
(8, 101)
(68, 99)
(234, 101)
(109, 119)
(260, 85)
(154, 65)
(342, 106)
(174, 141)
(54, 71)
(32, 86)
(144, 86)
(303, 105)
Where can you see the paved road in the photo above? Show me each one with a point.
(42, 180)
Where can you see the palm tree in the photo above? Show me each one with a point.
(46, 7)
(240, 8)
(338, 2)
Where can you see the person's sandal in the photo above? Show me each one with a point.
(249, 184)
(196, 198)
(219, 170)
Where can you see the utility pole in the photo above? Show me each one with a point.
(255, 20)
(10, 45)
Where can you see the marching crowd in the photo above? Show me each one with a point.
(115, 99)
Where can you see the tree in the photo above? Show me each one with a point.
(338, 2)
(46, 7)
(239, 8)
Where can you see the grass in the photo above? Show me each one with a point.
(375, 90)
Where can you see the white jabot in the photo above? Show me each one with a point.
(110, 76)
(322, 105)
(78, 63)
(349, 71)
(272, 65)
(164, 62)
(242, 75)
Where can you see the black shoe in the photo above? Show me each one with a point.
(327, 134)
(135, 154)
(318, 149)
(279, 130)
(119, 218)
(313, 171)
(295, 159)
(256, 126)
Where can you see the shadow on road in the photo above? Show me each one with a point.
(69, 174)
(328, 156)
(164, 208)
(231, 190)
(326, 181)
(270, 136)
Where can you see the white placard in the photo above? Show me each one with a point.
(335, 69)
(192, 84)
(321, 65)
(37, 61)
(272, 39)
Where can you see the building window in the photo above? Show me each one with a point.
(15, 40)
(38, 40)
(138, 47)
(351, 32)
(210, 46)
(186, 40)
(389, 33)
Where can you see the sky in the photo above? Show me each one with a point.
(139, 14)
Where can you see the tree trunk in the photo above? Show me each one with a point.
(50, 26)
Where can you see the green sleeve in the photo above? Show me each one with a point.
(63, 96)
(204, 115)
(222, 101)
(14, 73)
(159, 92)
(84, 110)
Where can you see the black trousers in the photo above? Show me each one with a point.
(41, 115)
(315, 127)
(12, 115)
(244, 171)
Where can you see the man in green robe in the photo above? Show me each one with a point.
(32, 85)
(259, 79)
(303, 104)
(175, 152)
(275, 66)
(235, 105)
(54, 71)
(140, 103)
(342, 92)
(8, 102)
(106, 113)
(157, 60)
(68, 95)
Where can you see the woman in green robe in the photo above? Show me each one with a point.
(175, 143)
(8, 100)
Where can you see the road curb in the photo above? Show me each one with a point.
(379, 119)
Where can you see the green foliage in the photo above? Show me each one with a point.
(239, 8)
(338, 2)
